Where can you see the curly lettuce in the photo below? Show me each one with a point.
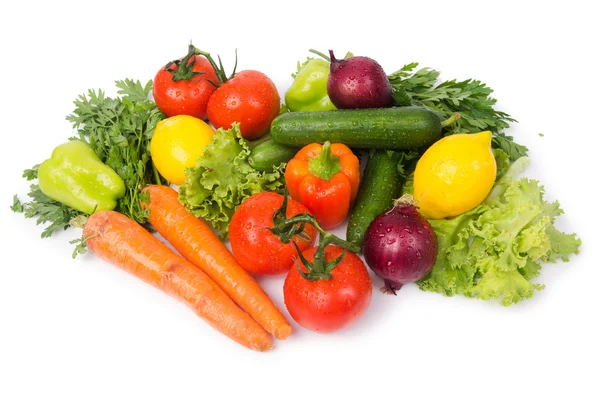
(223, 178)
(495, 250)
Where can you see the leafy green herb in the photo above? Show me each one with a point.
(119, 130)
(16, 206)
(408, 162)
(32, 173)
(46, 210)
(223, 178)
(80, 246)
(471, 98)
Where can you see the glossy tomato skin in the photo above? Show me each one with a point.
(255, 247)
(249, 98)
(189, 97)
(329, 305)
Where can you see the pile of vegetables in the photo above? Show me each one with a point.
(439, 202)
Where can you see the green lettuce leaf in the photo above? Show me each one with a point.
(223, 178)
(496, 249)
(502, 162)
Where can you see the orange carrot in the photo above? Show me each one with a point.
(196, 241)
(123, 242)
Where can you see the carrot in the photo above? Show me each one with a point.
(197, 242)
(123, 242)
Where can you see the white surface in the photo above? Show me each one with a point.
(85, 328)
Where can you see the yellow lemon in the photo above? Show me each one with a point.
(455, 175)
(177, 143)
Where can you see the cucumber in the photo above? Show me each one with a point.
(381, 184)
(269, 154)
(387, 128)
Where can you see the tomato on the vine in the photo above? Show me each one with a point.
(256, 248)
(184, 86)
(327, 305)
(249, 98)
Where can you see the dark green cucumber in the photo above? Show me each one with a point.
(388, 128)
(380, 186)
(269, 154)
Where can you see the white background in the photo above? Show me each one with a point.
(85, 328)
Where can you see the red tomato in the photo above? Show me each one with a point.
(249, 98)
(254, 246)
(329, 305)
(188, 97)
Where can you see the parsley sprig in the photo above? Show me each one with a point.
(119, 130)
(43, 207)
(471, 98)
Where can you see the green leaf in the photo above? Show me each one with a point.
(561, 245)
(80, 247)
(407, 162)
(223, 178)
(32, 173)
(502, 162)
(49, 211)
(506, 143)
(16, 205)
(507, 286)
(133, 90)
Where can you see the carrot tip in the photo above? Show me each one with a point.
(261, 347)
(283, 332)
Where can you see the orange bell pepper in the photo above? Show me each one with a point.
(325, 179)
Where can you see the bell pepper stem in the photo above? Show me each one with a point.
(319, 53)
(325, 165)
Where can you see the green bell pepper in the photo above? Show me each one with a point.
(75, 176)
(308, 92)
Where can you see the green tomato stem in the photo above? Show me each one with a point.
(285, 228)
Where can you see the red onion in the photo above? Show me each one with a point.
(400, 245)
(358, 82)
